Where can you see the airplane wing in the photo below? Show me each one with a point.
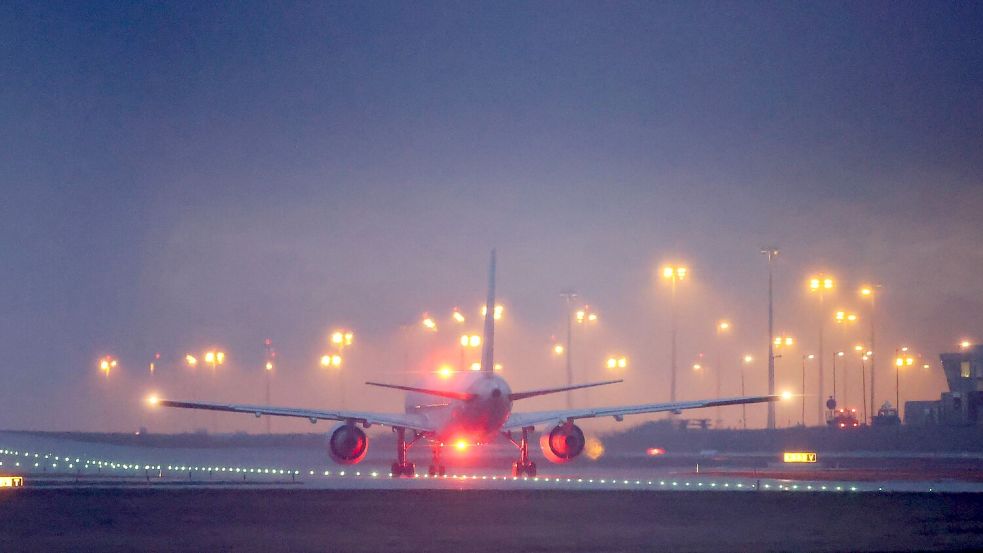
(412, 422)
(522, 420)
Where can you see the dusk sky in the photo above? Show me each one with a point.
(184, 175)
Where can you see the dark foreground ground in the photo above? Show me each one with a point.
(483, 521)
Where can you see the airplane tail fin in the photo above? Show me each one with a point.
(488, 340)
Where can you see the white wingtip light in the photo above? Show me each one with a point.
(153, 400)
(786, 395)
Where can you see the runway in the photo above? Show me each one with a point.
(53, 462)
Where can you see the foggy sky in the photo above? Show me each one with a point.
(177, 176)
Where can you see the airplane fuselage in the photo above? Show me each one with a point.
(475, 420)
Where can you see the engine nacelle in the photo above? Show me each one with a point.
(563, 443)
(347, 444)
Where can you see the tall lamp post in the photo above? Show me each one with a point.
(214, 359)
(820, 285)
(844, 318)
(569, 296)
(802, 421)
(869, 293)
(580, 316)
(780, 342)
(902, 359)
(772, 253)
(341, 339)
(835, 355)
(723, 328)
(270, 356)
(674, 274)
(745, 361)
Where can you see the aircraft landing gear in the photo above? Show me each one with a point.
(402, 467)
(523, 467)
(436, 467)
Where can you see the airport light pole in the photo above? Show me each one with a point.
(902, 359)
(214, 359)
(864, 356)
(580, 316)
(569, 296)
(341, 339)
(745, 361)
(819, 285)
(270, 357)
(674, 274)
(843, 318)
(802, 421)
(192, 363)
(771, 253)
(870, 292)
(835, 355)
(723, 328)
(783, 341)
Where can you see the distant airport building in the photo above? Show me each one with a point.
(963, 403)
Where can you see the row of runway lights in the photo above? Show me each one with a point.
(286, 472)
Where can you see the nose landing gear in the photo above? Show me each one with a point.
(523, 466)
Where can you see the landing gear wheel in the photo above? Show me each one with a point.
(406, 469)
(523, 466)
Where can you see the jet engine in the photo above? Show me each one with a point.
(347, 444)
(562, 443)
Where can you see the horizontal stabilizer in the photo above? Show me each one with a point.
(533, 393)
(439, 393)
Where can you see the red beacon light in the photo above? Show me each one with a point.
(655, 451)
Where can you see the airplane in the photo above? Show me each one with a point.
(477, 407)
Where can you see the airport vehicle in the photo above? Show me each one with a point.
(474, 408)
(844, 419)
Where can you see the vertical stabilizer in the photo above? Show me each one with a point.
(488, 340)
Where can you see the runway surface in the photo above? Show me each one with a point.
(53, 462)
(162, 519)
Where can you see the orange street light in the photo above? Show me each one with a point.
(819, 283)
(965, 344)
(617, 362)
(191, 361)
(333, 360)
(457, 315)
(786, 341)
(499, 311)
(674, 272)
(429, 323)
(342, 338)
(106, 364)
